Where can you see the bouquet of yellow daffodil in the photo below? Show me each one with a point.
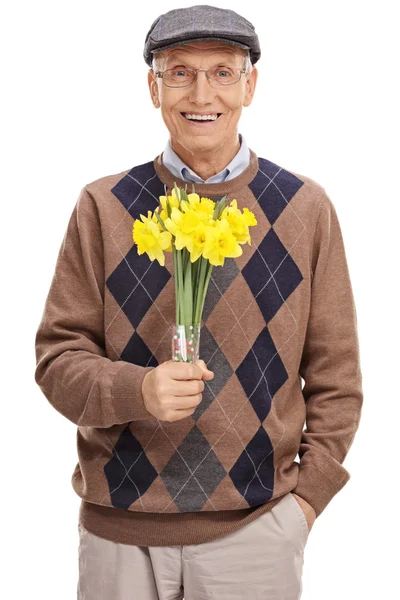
(201, 233)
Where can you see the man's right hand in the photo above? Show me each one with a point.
(173, 390)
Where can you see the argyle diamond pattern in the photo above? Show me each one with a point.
(128, 479)
(194, 455)
(237, 346)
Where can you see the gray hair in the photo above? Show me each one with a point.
(160, 60)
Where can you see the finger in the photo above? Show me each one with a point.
(190, 387)
(183, 370)
(186, 402)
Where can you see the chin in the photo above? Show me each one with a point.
(204, 139)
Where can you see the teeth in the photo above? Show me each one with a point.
(201, 117)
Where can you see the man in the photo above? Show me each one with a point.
(186, 472)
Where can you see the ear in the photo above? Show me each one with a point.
(251, 82)
(153, 88)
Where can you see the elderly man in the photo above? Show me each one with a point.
(187, 472)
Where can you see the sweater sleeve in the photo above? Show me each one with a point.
(330, 367)
(72, 369)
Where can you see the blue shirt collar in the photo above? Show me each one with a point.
(178, 168)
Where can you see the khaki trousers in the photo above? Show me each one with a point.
(261, 561)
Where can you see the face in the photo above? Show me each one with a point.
(202, 97)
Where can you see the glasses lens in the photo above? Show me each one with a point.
(224, 75)
(177, 77)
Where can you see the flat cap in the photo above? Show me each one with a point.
(199, 23)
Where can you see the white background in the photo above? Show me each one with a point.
(76, 107)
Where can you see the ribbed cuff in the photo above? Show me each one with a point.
(320, 480)
(126, 393)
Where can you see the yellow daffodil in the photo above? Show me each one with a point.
(148, 237)
(197, 242)
(182, 226)
(193, 199)
(172, 201)
(239, 222)
(249, 217)
(203, 207)
(220, 243)
(174, 193)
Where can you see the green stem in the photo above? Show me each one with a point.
(187, 293)
(196, 270)
(174, 251)
(186, 257)
(200, 287)
(180, 287)
(195, 274)
(204, 290)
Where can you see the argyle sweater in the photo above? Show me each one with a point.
(279, 330)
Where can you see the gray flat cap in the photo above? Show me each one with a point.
(199, 23)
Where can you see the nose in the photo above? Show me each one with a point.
(201, 90)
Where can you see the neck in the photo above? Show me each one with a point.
(208, 162)
(207, 190)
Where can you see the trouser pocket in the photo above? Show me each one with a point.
(301, 518)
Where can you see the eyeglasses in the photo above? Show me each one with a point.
(218, 76)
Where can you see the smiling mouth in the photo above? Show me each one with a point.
(201, 120)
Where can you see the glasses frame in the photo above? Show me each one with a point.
(194, 71)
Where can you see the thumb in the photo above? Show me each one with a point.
(200, 363)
